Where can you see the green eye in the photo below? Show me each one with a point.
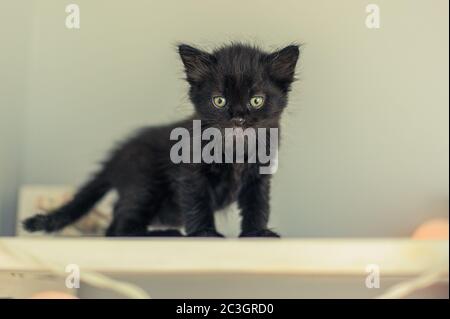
(219, 101)
(257, 102)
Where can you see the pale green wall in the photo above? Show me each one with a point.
(15, 20)
(365, 149)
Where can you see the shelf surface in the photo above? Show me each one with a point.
(224, 256)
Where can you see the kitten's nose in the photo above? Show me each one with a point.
(237, 121)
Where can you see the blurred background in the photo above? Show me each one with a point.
(365, 137)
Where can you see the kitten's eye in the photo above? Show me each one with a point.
(219, 101)
(257, 102)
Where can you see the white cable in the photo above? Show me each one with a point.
(406, 288)
(90, 277)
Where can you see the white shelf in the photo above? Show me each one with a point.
(234, 256)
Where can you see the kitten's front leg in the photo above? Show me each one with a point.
(195, 203)
(255, 209)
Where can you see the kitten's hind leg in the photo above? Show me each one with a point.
(133, 212)
(86, 197)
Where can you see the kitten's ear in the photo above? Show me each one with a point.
(197, 63)
(282, 65)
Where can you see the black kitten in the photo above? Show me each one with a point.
(234, 86)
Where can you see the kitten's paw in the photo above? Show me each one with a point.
(37, 223)
(206, 233)
(165, 233)
(260, 233)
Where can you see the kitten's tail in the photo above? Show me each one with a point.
(80, 205)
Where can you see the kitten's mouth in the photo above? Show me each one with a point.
(238, 122)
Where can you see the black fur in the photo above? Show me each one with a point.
(154, 190)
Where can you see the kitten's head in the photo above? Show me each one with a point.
(239, 85)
